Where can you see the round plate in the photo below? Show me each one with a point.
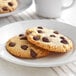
(13, 29)
(22, 5)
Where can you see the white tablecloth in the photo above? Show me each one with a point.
(9, 69)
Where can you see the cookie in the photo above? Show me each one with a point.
(8, 6)
(20, 47)
(49, 39)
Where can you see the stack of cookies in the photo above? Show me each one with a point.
(38, 42)
(8, 6)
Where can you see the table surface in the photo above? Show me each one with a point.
(10, 69)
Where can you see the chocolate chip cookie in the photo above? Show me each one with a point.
(20, 47)
(8, 6)
(49, 39)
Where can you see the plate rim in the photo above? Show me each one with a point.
(36, 20)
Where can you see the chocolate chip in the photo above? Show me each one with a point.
(21, 35)
(56, 32)
(64, 41)
(40, 31)
(40, 27)
(45, 39)
(62, 38)
(12, 44)
(33, 53)
(10, 3)
(36, 37)
(23, 38)
(5, 8)
(24, 47)
(52, 36)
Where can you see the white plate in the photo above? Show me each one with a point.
(13, 29)
(22, 5)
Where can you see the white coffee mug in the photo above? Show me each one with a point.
(50, 8)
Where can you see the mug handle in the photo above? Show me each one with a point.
(66, 7)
